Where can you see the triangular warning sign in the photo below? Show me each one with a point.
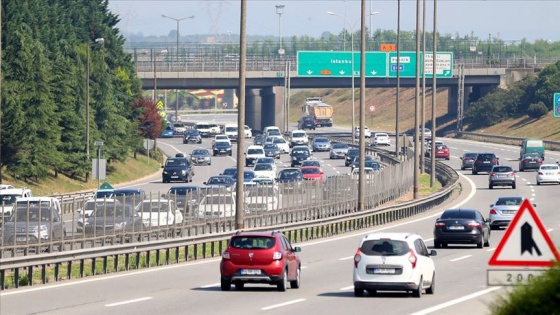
(525, 243)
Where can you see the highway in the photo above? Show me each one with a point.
(327, 264)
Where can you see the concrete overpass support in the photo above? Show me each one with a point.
(453, 98)
(272, 99)
(252, 108)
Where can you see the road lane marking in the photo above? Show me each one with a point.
(428, 239)
(282, 304)
(491, 249)
(549, 230)
(461, 258)
(347, 288)
(303, 267)
(210, 285)
(346, 258)
(129, 301)
(456, 301)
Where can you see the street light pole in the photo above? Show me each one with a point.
(99, 41)
(279, 11)
(177, 20)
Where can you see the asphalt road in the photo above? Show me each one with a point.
(327, 266)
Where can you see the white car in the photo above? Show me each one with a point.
(393, 262)
(282, 144)
(253, 153)
(221, 138)
(259, 197)
(248, 132)
(367, 132)
(159, 213)
(215, 206)
(298, 137)
(548, 173)
(264, 170)
(380, 138)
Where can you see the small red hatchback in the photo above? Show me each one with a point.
(260, 257)
(442, 152)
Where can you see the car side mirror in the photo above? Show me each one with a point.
(433, 253)
(297, 249)
(491, 205)
(461, 157)
(497, 158)
(204, 183)
(164, 195)
(162, 166)
(534, 205)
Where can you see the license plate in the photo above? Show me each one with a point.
(384, 271)
(456, 227)
(509, 211)
(21, 238)
(250, 271)
(502, 176)
(531, 162)
(549, 173)
(174, 176)
(486, 162)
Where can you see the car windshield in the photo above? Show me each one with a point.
(311, 163)
(192, 132)
(385, 247)
(531, 156)
(300, 152)
(200, 152)
(248, 174)
(353, 152)
(286, 174)
(183, 191)
(470, 155)
(8, 199)
(270, 146)
(202, 126)
(321, 140)
(92, 205)
(217, 200)
(263, 167)
(254, 151)
(33, 214)
(298, 134)
(230, 171)
(274, 132)
(252, 242)
(310, 170)
(219, 181)
(148, 206)
(339, 146)
(486, 157)
(176, 162)
(502, 169)
(110, 212)
(232, 129)
(509, 201)
(278, 140)
(458, 214)
(222, 144)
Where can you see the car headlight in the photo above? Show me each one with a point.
(165, 172)
(294, 158)
(119, 225)
(184, 172)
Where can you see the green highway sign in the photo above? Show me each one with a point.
(556, 104)
(339, 64)
(378, 64)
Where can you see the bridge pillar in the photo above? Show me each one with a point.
(272, 102)
(452, 99)
(252, 108)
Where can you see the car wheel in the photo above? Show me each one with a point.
(239, 285)
(437, 244)
(487, 243)
(432, 287)
(490, 186)
(294, 284)
(225, 285)
(513, 186)
(474, 172)
(444, 245)
(480, 244)
(538, 183)
(493, 227)
(462, 168)
(283, 283)
(358, 292)
(418, 292)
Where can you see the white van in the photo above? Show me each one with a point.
(231, 130)
(298, 137)
(204, 129)
(275, 131)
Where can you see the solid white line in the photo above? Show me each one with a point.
(210, 285)
(346, 258)
(460, 258)
(456, 301)
(428, 239)
(491, 249)
(282, 304)
(347, 288)
(129, 301)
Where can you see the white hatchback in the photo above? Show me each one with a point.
(380, 138)
(393, 262)
(548, 173)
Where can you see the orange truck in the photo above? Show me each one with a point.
(322, 112)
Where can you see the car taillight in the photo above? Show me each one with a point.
(478, 161)
(412, 258)
(495, 161)
(492, 174)
(440, 225)
(539, 160)
(512, 174)
(525, 161)
(492, 211)
(226, 255)
(357, 258)
(541, 173)
(473, 225)
(277, 256)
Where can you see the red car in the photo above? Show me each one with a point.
(442, 152)
(312, 173)
(260, 257)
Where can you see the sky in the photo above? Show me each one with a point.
(508, 20)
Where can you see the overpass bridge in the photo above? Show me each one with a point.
(266, 80)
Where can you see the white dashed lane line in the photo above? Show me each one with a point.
(282, 304)
(129, 301)
(346, 258)
(491, 249)
(347, 288)
(209, 285)
(460, 258)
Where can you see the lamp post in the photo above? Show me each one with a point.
(280, 11)
(98, 144)
(352, 65)
(99, 41)
(177, 20)
(154, 57)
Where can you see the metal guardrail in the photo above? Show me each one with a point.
(39, 269)
(550, 145)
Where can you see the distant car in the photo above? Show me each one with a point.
(89, 208)
(462, 226)
(221, 181)
(177, 169)
(185, 197)
(467, 160)
(253, 153)
(427, 133)
(261, 197)
(356, 161)
(548, 173)
(380, 138)
(221, 148)
(129, 196)
(393, 262)
(306, 122)
(299, 153)
(230, 171)
(290, 179)
(312, 173)
(6, 186)
(159, 213)
(282, 144)
(272, 150)
(530, 161)
(264, 170)
(260, 257)
(367, 132)
(167, 133)
(484, 162)
(216, 206)
(311, 163)
(248, 175)
(116, 220)
(179, 128)
(258, 140)
(247, 132)
(192, 136)
(320, 144)
(442, 152)
(298, 137)
(200, 157)
(33, 223)
(503, 211)
(350, 155)
(221, 137)
(266, 160)
(338, 150)
(501, 175)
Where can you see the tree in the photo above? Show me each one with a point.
(148, 117)
(537, 110)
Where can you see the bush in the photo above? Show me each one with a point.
(537, 110)
(540, 296)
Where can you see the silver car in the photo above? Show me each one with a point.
(501, 175)
(503, 211)
(33, 224)
(320, 144)
(338, 150)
